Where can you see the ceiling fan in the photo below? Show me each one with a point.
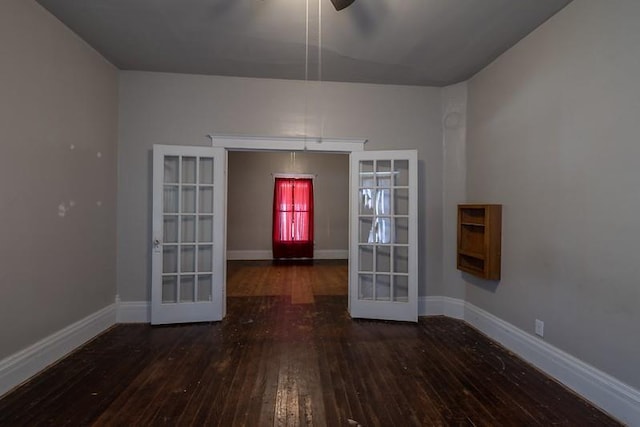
(341, 4)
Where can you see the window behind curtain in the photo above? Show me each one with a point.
(293, 218)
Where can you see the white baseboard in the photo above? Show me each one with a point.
(331, 254)
(19, 367)
(603, 390)
(441, 306)
(430, 306)
(249, 255)
(268, 255)
(133, 312)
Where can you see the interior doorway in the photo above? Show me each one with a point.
(190, 196)
(250, 193)
(251, 270)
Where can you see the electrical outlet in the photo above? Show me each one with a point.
(539, 328)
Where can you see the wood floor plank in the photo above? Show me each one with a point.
(288, 354)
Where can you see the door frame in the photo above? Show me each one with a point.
(314, 144)
(300, 143)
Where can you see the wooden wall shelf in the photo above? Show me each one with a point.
(479, 240)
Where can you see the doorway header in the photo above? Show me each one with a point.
(287, 143)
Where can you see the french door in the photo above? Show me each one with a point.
(383, 235)
(188, 243)
(188, 234)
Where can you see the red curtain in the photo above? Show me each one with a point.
(293, 218)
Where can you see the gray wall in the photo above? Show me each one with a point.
(553, 135)
(454, 132)
(56, 92)
(159, 108)
(250, 197)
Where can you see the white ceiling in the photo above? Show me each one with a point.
(412, 42)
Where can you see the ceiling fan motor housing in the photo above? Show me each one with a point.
(341, 4)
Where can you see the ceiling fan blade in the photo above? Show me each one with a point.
(341, 4)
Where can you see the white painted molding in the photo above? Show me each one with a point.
(19, 367)
(603, 390)
(267, 255)
(133, 312)
(294, 175)
(299, 143)
(256, 255)
(441, 306)
(430, 306)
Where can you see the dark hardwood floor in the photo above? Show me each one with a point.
(288, 355)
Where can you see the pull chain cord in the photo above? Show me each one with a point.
(320, 96)
(320, 41)
(320, 91)
(306, 44)
(306, 74)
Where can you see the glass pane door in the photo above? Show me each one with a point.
(383, 282)
(188, 250)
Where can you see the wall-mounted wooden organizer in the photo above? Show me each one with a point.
(479, 238)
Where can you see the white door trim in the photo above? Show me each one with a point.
(258, 143)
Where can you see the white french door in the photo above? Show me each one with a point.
(383, 248)
(188, 234)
